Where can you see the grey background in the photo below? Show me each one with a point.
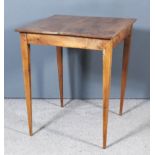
(82, 69)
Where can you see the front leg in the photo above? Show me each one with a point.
(107, 63)
(25, 49)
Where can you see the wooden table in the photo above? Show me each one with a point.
(94, 33)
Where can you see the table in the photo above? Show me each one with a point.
(94, 33)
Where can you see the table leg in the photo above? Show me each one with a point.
(107, 63)
(126, 52)
(25, 49)
(60, 72)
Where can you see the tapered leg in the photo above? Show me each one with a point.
(60, 72)
(25, 49)
(126, 52)
(107, 63)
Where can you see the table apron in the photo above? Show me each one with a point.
(67, 41)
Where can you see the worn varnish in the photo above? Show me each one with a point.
(80, 26)
(96, 33)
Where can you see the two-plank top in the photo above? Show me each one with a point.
(79, 26)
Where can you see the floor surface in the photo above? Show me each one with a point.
(76, 129)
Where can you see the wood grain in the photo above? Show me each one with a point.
(79, 26)
(66, 41)
(60, 72)
(125, 61)
(107, 63)
(121, 36)
(94, 33)
(25, 49)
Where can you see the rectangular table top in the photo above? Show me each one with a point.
(78, 26)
